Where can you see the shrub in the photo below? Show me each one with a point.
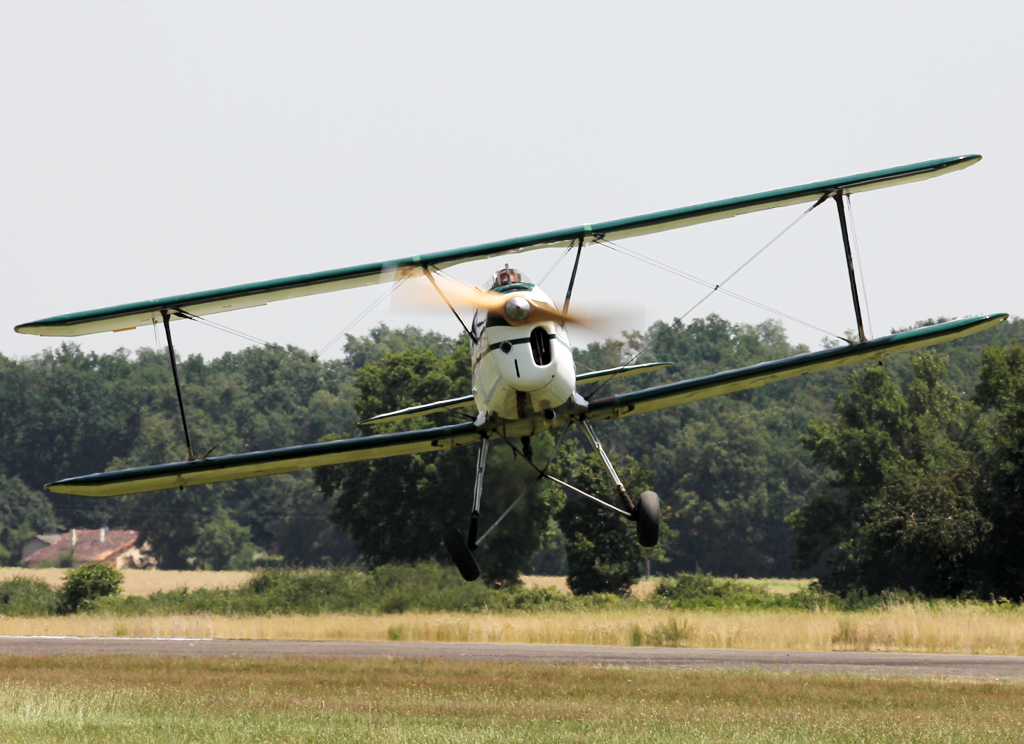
(87, 583)
(27, 597)
(700, 590)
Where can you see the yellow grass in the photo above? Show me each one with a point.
(959, 629)
(143, 583)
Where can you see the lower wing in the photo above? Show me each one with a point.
(269, 462)
(722, 383)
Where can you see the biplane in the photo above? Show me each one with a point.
(524, 378)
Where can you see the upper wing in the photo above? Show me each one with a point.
(268, 462)
(689, 391)
(124, 317)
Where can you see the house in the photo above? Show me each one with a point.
(115, 547)
(37, 542)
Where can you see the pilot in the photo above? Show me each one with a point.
(507, 276)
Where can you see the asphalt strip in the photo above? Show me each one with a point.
(849, 662)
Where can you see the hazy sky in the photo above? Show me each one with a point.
(150, 149)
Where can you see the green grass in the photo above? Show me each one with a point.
(153, 699)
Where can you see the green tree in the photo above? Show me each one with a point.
(904, 513)
(601, 548)
(86, 583)
(23, 514)
(1001, 392)
(297, 521)
(221, 543)
(727, 507)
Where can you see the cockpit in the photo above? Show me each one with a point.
(508, 277)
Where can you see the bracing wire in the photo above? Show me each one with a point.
(704, 283)
(249, 337)
(860, 266)
(453, 278)
(372, 306)
(565, 253)
(315, 358)
(714, 289)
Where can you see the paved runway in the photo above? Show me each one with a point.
(987, 667)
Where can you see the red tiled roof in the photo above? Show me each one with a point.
(90, 546)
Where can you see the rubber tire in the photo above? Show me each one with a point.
(648, 518)
(461, 555)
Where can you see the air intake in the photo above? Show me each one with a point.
(540, 345)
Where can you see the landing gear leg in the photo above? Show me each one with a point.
(478, 490)
(459, 549)
(647, 512)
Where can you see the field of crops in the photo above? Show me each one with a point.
(138, 583)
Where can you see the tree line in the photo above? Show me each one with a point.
(769, 482)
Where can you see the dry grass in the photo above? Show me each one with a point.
(132, 699)
(143, 583)
(962, 629)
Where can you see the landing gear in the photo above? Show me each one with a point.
(527, 449)
(648, 518)
(461, 555)
(460, 551)
(646, 512)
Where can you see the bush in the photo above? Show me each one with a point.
(700, 590)
(27, 597)
(88, 583)
(426, 587)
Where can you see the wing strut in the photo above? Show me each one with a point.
(177, 384)
(838, 196)
(429, 274)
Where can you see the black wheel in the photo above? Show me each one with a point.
(462, 556)
(648, 517)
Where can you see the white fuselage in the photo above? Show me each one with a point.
(523, 371)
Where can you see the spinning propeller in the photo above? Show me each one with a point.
(514, 306)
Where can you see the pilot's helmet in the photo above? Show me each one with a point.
(507, 276)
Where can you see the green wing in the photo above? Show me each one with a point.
(733, 381)
(268, 462)
(123, 317)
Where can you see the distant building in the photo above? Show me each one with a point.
(115, 547)
(37, 542)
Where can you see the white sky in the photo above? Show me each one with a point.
(150, 149)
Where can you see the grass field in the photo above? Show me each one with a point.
(133, 699)
(911, 627)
